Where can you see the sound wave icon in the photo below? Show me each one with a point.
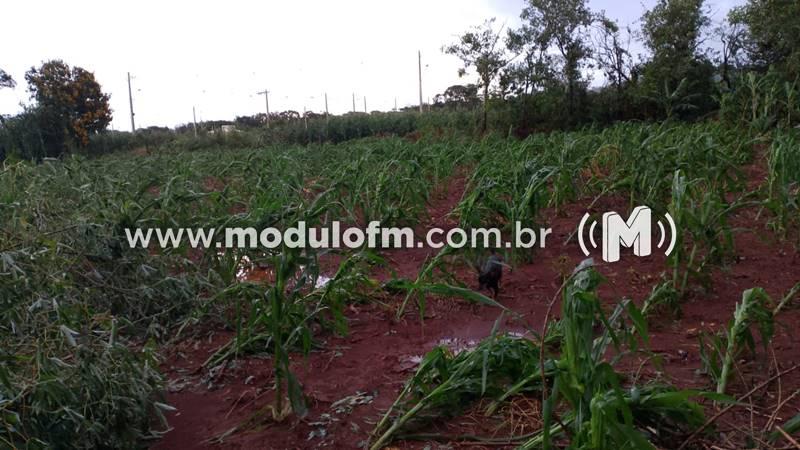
(635, 232)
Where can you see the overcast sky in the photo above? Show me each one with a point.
(217, 55)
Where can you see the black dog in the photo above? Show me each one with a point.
(490, 274)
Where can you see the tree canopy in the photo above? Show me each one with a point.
(479, 48)
(71, 98)
(772, 36)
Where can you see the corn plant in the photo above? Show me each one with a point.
(702, 214)
(444, 383)
(599, 412)
(582, 377)
(783, 181)
(720, 351)
(662, 296)
(674, 101)
(596, 410)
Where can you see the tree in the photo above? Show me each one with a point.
(457, 94)
(731, 36)
(565, 25)
(70, 99)
(5, 80)
(672, 31)
(534, 70)
(478, 48)
(612, 55)
(772, 35)
(289, 115)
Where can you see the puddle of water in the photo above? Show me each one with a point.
(457, 345)
(244, 268)
(247, 271)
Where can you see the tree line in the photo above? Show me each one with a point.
(541, 70)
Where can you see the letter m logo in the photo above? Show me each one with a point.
(633, 233)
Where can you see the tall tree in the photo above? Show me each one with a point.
(612, 55)
(672, 30)
(731, 37)
(5, 82)
(772, 33)
(479, 49)
(534, 69)
(70, 99)
(563, 24)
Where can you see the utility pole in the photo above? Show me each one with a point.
(354, 102)
(305, 118)
(194, 121)
(326, 108)
(130, 100)
(395, 103)
(265, 93)
(419, 68)
(365, 104)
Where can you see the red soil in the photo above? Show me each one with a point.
(375, 358)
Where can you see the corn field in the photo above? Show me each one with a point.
(87, 321)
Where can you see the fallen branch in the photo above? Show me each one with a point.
(788, 438)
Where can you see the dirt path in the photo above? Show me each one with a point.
(368, 367)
